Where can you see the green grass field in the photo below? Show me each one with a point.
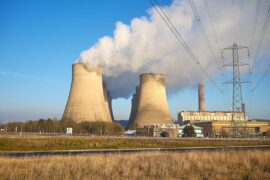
(44, 143)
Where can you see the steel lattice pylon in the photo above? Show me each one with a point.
(237, 100)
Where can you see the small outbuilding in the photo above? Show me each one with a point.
(197, 129)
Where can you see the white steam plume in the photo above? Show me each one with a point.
(147, 44)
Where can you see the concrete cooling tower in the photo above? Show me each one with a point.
(134, 107)
(88, 98)
(149, 104)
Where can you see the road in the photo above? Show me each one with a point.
(128, 151)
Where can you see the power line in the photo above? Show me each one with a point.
(255, 24)
(262, 78)
(233, 33)
(212, 23)
(224, 99)
(174, 30)
(250, 95)
(202, 27)
(256, 86)
(266, 22)
(251, 101)
(178, 36)
(198, 19)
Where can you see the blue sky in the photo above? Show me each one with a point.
(40, 40)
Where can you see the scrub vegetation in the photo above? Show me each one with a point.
(45, 126)
(187, 165)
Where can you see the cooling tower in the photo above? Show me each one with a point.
(151, 106)
(201, 97)
(134, 107)
(108, 99)
(88, 98)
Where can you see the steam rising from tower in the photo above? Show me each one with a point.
(149, 103)
(146, 44)
(88, 99)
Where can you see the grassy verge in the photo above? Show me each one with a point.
(18, 143)
(192, 165)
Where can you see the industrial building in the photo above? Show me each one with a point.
(202, 115)
(164, 130)
(219, 123)
(197, 116)
(149, 103)
(88, 98)
(225, 128)
(158, 130)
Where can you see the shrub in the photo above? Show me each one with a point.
(189, 131)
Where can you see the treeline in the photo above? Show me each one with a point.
(59, 126)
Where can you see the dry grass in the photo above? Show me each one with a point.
(193, 165)
(28, 143)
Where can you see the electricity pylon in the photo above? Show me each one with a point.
(237, 99)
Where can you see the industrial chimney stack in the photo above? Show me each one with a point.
(149, 103)
(88, 98)
(201, 97)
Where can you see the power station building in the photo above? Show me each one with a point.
(219, 123)
(149, 103)
(88, 98)
(221, 128)
(205, 116)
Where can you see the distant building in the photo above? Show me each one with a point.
(221, 128)
(222, 123)
(165, 130)
(158, 130)
(185, 117)
(198, 130)
(202, 115)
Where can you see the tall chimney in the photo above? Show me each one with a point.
(201, 97)
(88, 99)
(151, 102)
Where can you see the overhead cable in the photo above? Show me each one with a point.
(255, 24)
(180, 39)
(199, 21)
(265, 25)
(262, 78)
(212, 23)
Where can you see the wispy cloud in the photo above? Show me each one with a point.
(30, 77)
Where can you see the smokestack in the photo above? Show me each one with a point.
(201, 97)
(243, 108)
(87, 99)
(151, 102)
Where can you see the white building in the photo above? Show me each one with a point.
(197, 129)
(206, 116)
